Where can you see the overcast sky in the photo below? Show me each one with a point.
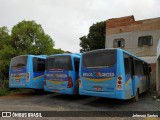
(68, 20)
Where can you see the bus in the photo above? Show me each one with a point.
(61, 74)
(27, 71)
(113, 73)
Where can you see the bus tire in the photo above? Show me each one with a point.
(136, 97)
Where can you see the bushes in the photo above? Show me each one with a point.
(4, 89)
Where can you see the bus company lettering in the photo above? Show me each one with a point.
(61, 75)
(98, 74)
(57, 75)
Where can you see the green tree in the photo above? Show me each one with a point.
(95, 39)
(57, 51)
(6, 51)
(4, 36)
(5, 56)
(29, 37)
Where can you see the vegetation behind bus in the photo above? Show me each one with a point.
(95, 38)
(4, 87)
(27, 37)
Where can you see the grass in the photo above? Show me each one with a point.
(4, 91)
(17, 90)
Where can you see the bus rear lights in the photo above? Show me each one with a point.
(27, 77)
(119, 77)
(119, 87)
(70, 84)
(119, 82)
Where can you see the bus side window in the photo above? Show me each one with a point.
(150, 70)
(38, 65)
(139, 67)
(145, 69)
(76, 64)
(131, 64)
(126, 64)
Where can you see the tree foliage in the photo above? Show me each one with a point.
(4, 36)
(95, 39)
(6, 51)
(27, 37)
(57, 51)
(5, 55)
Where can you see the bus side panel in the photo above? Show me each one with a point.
(126, 91)
(38, 80)
(30, 71)
(138, 80)
(141, 77)
(131, 82)
(129, 78)
(37, 77)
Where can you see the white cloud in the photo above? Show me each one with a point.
(68, 20)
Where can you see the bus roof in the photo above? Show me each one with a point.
(133, 55)
(39, 56)
(118, 50)
(42, 55)
(72, 54)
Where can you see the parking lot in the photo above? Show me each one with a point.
(55, 102)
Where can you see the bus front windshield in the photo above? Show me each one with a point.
(101, 58)
(59, 62)
(19, 61)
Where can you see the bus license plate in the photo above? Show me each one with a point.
(55, 91)
(97, 88)
(17, 80)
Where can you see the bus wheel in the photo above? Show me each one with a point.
(135, 99)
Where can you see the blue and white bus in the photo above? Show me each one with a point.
(61, 74)
(27, 71)
(113, 73)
